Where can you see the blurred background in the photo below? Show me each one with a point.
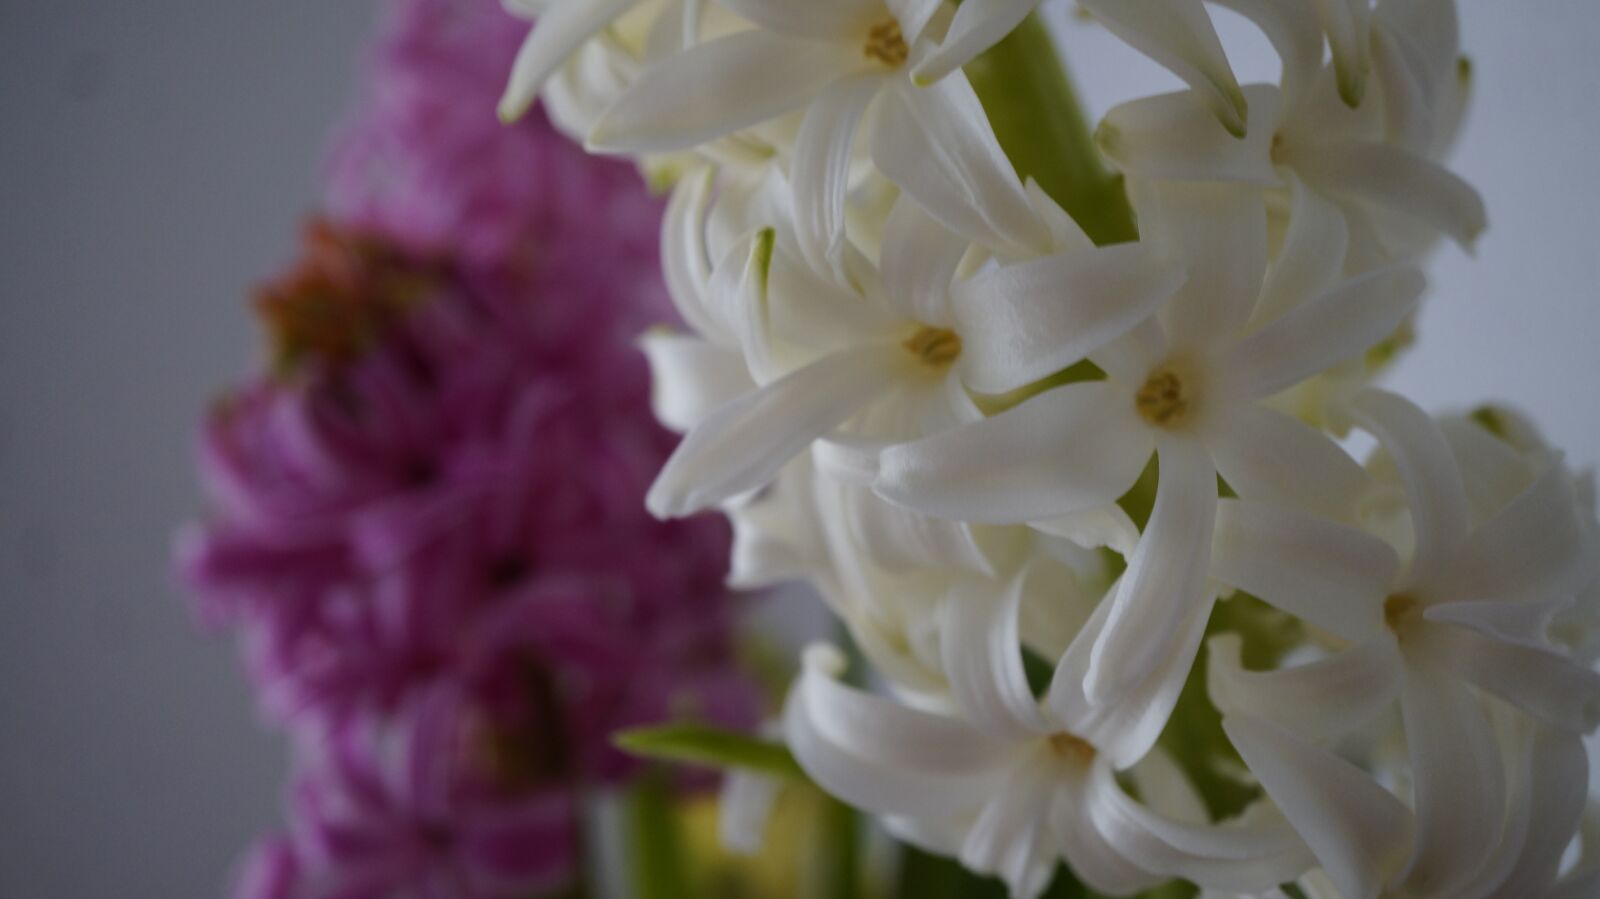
(156, 160)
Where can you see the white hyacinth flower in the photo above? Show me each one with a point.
(1379, 162)
(564, 25)
(844, 64)
(1187, 387)
(892, 359)
(909, 378)
(1468, 613)
(1011, 784)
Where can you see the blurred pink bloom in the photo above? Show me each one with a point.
(426, 521)
(395, 809)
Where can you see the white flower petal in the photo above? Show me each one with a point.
(1346, 23)
(1312, 257)
(810, 313)
(919, 259)
(1072, 448)
(977, 26)
(685, 260)
(775, 532)
(559, 32)
(690, 377)
(1534, 548)
(833, 20)
(902, 541)
(1407, 103)
(737, 299)
(878, 755)
(1341, 324)
(1556, 769)
(821, 169)
(1107, 526)
(1318, 700)
(1526, 623)
(1458, 780)
(1166, 575)
(1356, 829)
(1495, 470)
(717, 88)
(981, 646)
(937, 145)
(1332, 576)
(1268, 457)
(1010, 838)
(1295, 34)
(1124, 731)
(742, 444)
(1130, 357)
(1163, 787)
(1396, 180)
(1219, 233)
(1541, 682)
(1439, 512)
(1175, 137)
(744, 808)
(1252, 854)
(1019, 323)
(913, 16)
(1178, 34)
(1093, 858)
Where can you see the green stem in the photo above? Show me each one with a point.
(1028, 96)
(839, 875)
(654, 845)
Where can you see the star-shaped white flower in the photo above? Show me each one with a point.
(892, 359)
(1379, 161)
(1186, 387)
(1011, 784)
(839, 65)
(1467, 613)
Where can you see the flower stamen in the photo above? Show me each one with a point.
(886, 44)
(934, 347)
(1072, 748)
(1163, 399)
(1400, 612)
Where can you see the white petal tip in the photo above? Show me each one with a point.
(665, 503)
(932, 69)
(1235, 113)
(511, 109)
(1352, 86)
(824, 658)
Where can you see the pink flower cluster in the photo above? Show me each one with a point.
(426, 521)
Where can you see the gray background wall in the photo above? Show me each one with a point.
(155, 158)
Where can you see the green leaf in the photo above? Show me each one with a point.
(699, 744)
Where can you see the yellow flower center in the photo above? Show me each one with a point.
(1400, 613)
(886, 44)
(1164, 399)
(934, 347)
(1072, 748)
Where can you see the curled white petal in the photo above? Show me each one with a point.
(1072, 448)
(1357, 830)
(1333, 576)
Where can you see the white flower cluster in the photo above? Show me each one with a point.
(1031, 435)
